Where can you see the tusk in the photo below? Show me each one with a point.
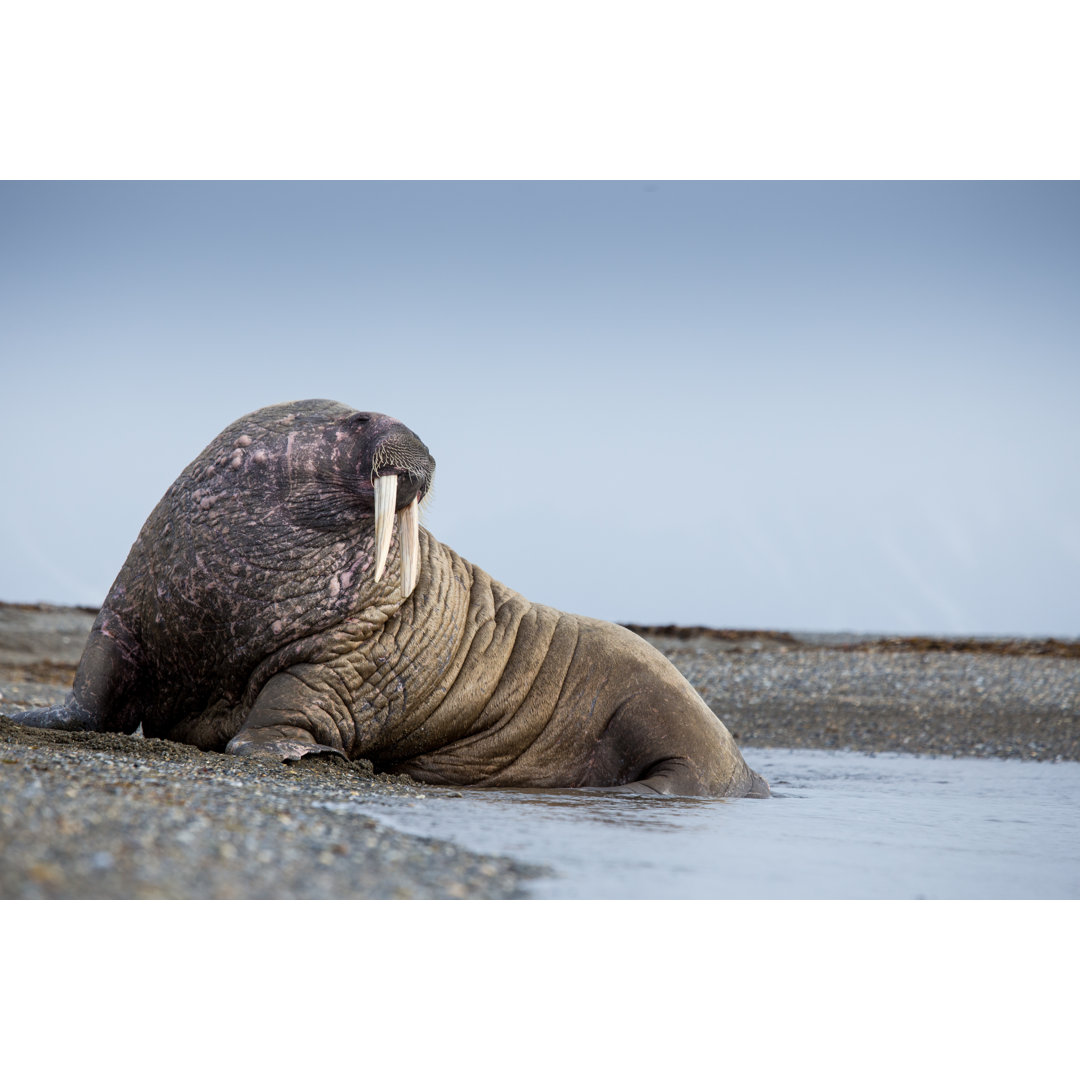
(409, 537)
(385, 505)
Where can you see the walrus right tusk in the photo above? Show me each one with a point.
(385, 505)
(409, 537)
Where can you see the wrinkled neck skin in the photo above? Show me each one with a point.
(464, 662)
(379, 665)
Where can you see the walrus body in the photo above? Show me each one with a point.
(264, 610)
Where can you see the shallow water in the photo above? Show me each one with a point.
(846, 825)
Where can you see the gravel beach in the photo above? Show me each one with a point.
(114, 816)
(1009, 698)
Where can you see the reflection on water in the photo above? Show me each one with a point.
(846, 826)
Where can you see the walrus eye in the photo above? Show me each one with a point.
(360, 418)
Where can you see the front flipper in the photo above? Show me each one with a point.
(66, 717)
(107, 695)
(290, 719)
(278, 742)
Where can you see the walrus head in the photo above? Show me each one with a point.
(294, 482)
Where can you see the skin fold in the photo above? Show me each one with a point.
(247, 618)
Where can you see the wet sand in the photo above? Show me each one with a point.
(114, 816)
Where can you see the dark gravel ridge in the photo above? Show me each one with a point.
(1065, 648)
(1012, 698)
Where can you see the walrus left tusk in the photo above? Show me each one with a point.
(385, 505)
(409, 536)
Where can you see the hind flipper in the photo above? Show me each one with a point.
(679, 777)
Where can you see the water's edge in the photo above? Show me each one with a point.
(847, 826)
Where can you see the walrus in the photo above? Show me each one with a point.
(282, 599)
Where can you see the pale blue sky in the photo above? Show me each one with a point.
(806, 406)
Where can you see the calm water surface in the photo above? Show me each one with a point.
(845, 826)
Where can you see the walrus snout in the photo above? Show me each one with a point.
(401, 452)
(388, 446)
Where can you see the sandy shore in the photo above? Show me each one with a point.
(113, 816)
